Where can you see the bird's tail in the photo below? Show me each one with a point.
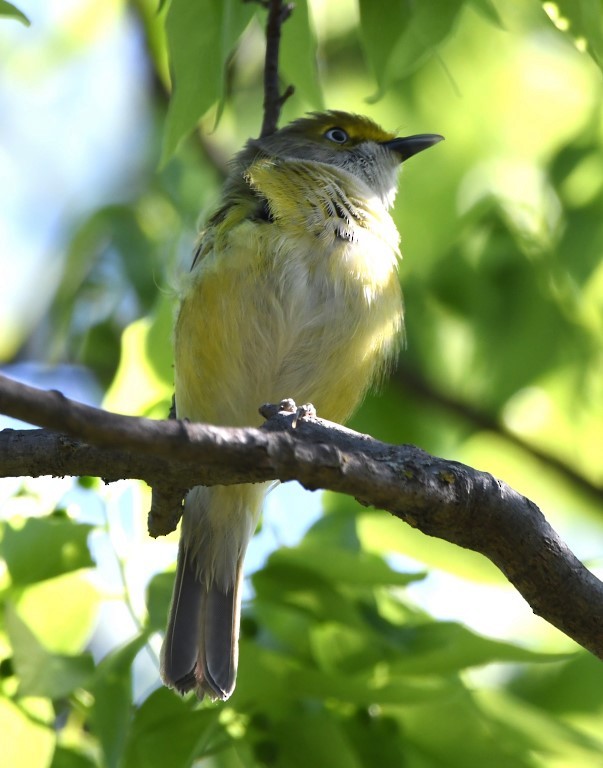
(201, 646)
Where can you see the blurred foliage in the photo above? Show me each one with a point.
(503, 278)
(8, 9)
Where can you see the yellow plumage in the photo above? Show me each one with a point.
(294, 293)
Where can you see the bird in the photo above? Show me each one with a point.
(293, 293)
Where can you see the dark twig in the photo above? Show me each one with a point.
(412, 381)
(278, 13)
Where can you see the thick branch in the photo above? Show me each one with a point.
(441, 498)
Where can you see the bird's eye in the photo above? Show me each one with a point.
(338, 135)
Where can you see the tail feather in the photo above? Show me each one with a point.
(201, 646)
(179, 652)
(219, 639)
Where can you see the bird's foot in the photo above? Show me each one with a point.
(305, 412)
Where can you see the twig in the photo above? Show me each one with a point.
(414, 382)
(278, 13)
(441, 498)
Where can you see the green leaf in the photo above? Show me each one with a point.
(45, 547)
(100, 350)
(399, 35)
(379, 739)
(26, 741)
(289, 627)
(385, 534)
(337, 526)
(298, 56)
(61, 611)
(42, 673)
(369, 688)
(269, 680)
(382, 23)
(264, 677)
(8, 9)
(537, 729)
(167, 732)
(136, 388)
(70, 758)
(112, 690)
(572, 687)
(339, 566)
(489, 11)
(583, 21)
(201, 36)
(338, 648)
(284, 582)
(159, 595)
(314, 739)
(592, 15)
(452, 731)
(158, 343)
(440, 648)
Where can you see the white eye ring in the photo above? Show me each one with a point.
(338, 135)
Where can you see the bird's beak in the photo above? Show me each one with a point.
(409, 145)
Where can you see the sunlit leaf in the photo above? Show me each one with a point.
(463, 736)
(42, 673)
(538, 729)
(583, 20)
(45, 547)
(445, 647)
(137, 389)
(386, 534)
(566, 688)
(26, 740)
(61, 611)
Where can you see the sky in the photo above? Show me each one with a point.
(73, 134)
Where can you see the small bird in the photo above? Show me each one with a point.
(293, 293)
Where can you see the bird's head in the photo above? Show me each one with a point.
(351, 142)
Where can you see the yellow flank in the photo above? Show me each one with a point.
(307, 306)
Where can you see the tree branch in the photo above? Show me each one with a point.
(441, 498)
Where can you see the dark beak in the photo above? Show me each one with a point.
(408, 146)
